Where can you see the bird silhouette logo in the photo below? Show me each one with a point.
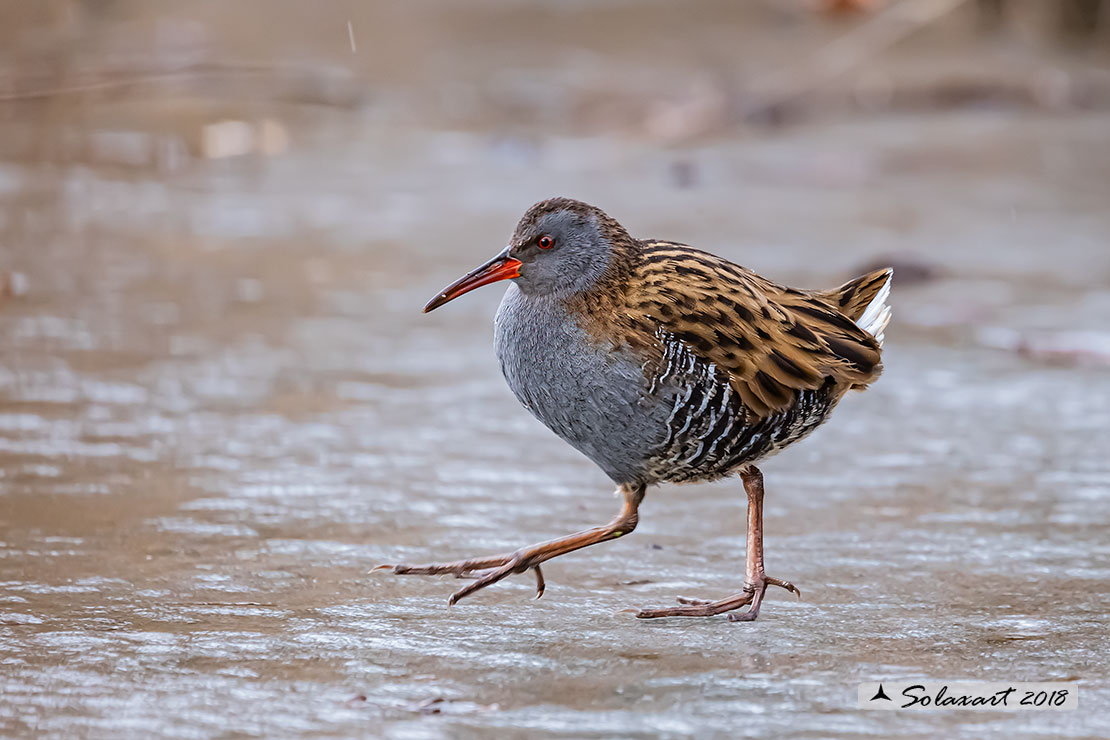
(880, 694)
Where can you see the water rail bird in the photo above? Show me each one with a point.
(663, 363)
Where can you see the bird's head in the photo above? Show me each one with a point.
(561, 246)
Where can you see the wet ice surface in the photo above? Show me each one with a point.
(212, 428)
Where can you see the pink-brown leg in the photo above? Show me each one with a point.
(496, 567)
(755, 580)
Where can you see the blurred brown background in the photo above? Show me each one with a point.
(220, 405)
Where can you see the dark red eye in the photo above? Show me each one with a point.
(546, 242)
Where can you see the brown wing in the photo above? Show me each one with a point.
(771, 340)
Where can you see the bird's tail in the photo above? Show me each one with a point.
(863, 300)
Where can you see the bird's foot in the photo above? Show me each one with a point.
(485, 572)
(752, 594)
(489, 570)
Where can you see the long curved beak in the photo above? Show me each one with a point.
(501, 267)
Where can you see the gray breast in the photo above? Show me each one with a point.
(679, 422)
(588, 392)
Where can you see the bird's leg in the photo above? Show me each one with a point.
(530, 557)
(755, 581)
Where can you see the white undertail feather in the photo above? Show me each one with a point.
(877, 314)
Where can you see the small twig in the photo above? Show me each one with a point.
(351, 36)
(877, 34)
(185, 73)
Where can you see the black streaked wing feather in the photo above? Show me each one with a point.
(770, 341)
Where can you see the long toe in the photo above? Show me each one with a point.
(475, 567)
(783, 584)
(488, 579)
(698, 607)
(751, 596)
